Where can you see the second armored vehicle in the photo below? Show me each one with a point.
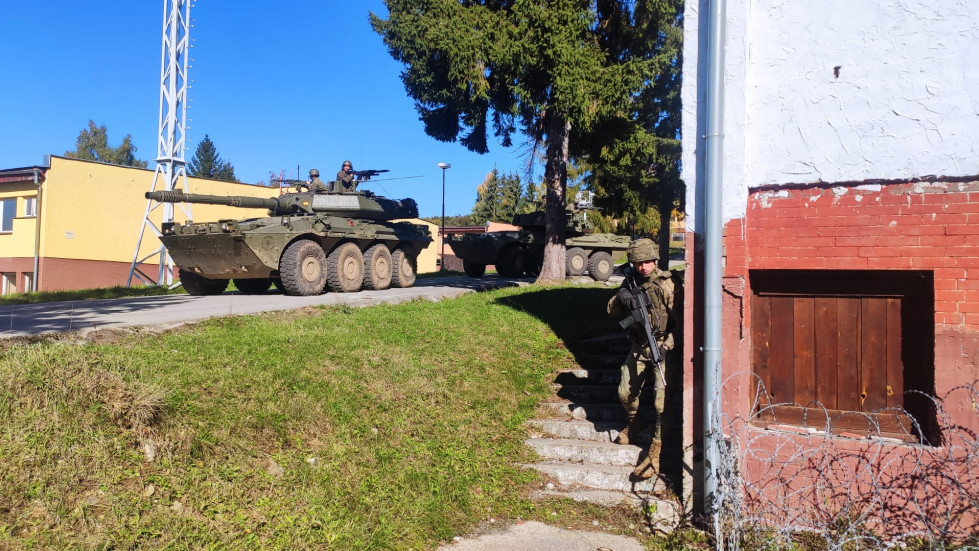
(308, 242)
(515, 253)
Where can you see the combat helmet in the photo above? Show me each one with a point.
(313, 173)
(642, 250)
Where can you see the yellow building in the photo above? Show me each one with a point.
(76, 223)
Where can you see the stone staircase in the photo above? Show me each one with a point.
(574, 435)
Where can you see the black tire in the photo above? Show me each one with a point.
(473, 269)
(345, 268)
(600, 266)
(512, 261)
(302, 268)
(199, 286)
(253, 286)
(378, 268)
(577, 261)
(405, 267)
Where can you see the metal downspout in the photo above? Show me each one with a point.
(713, 251)
(37, 232)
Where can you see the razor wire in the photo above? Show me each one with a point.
(799, 486)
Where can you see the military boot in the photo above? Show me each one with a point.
(649, 466)
(632, 427)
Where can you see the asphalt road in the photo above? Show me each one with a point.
(172, 310)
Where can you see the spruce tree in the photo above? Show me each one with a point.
(207, 163)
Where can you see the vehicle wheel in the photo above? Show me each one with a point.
(511, 263)
(405, 266)
(253, 286)
(473, 269)
(302, 268)
(345, 270)
(199, 286)
(536, 263)
(600, 266)
(577, 261)
(377, 267)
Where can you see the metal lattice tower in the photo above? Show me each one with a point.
(170, 164)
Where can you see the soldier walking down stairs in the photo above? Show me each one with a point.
(645, 301)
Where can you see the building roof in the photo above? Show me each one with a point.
(21, 174)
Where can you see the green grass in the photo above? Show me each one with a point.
(86, 294)
(390, 427)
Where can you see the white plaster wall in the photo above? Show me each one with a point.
(905, 103)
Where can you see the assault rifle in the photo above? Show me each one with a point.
(639, 313)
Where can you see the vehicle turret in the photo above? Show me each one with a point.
(364, 205)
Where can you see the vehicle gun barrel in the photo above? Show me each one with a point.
(231, 201)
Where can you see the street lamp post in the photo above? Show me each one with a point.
(444, 167)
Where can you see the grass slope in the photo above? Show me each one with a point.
(390, 427)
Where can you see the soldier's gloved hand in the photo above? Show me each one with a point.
(625, 298)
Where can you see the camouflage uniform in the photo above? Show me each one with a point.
(344, 181)
(315, 184)
(638, 370)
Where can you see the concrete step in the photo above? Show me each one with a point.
(601, 361)
(601, 477)
(585, 451)
(576, 429)
(588, 376)
(566, 409)
(612, 344)
(586, 392)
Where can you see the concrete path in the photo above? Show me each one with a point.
(536, 536)
(172, 310)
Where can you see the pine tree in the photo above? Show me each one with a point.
(206, 163)
(486, 66)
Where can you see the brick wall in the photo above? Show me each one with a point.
(931, 226)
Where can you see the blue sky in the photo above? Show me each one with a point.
(275, 86)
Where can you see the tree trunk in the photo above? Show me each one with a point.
(555, 177)
(665, 208)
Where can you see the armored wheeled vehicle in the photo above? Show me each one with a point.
(520, 252)
(309, 242)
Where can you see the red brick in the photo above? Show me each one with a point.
(971, 293)
(956, 273)
(901, 199)
(970, 250)
(878, 252)
(846, 252)
(967, 307)
(923, 230)
(942, 198)
(922, 251)
(843, 263)
(898, 241)
(934, 262)
(968, 262)
(765, 223)
(880, 230)
(954, 297)
(963, 229)
(814, 263)
(838, 231)
(868, 241)
(861, 220)
(888, 263)
(946, 285)
(966, 208)
(950, 241)
(948, 318)
(972, 320)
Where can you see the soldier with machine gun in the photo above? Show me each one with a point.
(646, 301)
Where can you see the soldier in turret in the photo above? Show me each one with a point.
(640, 370)
(345, 181)
(314, 183)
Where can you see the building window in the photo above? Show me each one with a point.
(30, 206)
(8, 283)
(8, 209)
(28, 281)
(855, 345)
